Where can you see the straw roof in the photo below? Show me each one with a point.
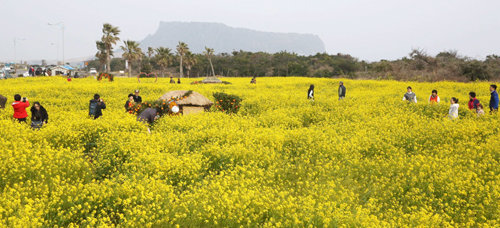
(194, 99)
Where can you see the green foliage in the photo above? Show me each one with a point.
(475, 70)
(227, 103)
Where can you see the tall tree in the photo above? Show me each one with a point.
(190, 61)
(182, 48)
(131, 52)
(109, 38)
(163, 58)
(209, 52)
(101, 53)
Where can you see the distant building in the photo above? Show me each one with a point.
(61, 70)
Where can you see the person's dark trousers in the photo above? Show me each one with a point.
(21, 120)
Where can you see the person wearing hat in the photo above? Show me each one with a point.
(137, 98)
(341, 91)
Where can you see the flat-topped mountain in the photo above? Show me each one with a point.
(223, 38)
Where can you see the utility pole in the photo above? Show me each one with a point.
(62, 29)
(15, 54)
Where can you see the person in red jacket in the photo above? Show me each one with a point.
(20, 108)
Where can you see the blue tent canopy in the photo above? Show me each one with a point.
(68, 67)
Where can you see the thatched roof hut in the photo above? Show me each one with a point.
(193, 103)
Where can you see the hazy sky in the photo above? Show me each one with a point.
(367, 29)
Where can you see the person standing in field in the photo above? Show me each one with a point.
(179, 81)
(39, 115)
(493, 99)
(434, 98)
(137, 98)
(310, 93)
(172, 81)
(96, 106)
(129, 105)
(453, 112)
(19, 107)
(342, 90)
(254, 80)
(473, 101)
(410, 96)
(3, 101)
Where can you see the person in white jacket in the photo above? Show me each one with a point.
(453, 113)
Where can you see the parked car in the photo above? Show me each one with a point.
(92, 71)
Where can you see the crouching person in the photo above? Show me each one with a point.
(148, 116)
(39, 116)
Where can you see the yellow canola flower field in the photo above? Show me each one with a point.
(370, 160)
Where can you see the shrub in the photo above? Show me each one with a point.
(227, 103)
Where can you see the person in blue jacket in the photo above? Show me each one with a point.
(493, 99)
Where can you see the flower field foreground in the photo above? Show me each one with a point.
(370, 160)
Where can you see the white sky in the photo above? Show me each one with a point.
(367, 29)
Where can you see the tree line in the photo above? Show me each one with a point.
(181, 62)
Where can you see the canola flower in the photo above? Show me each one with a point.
(370, 160)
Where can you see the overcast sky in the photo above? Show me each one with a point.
(366, 29)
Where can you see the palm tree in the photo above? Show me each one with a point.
(151, 51)
(109, 38)
(190, 62)
(101, 53)
(163, 58)
(131, 52)
(182, 48)
(209, 52)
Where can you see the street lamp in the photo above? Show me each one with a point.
(62, 29)
(15, 53)
(57, 51)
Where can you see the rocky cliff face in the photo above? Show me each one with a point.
(223, 38)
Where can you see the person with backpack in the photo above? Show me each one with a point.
(453, 112)
(20, 108)
(96, 106)
(310, 93)
(473, 101)
(493, 99)
(410, 95)
(434, 98)
(341, 91)
(172, 81)
(39, 115)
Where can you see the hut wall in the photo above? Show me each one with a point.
(187, 110)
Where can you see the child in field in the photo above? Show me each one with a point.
(480, 110)
(473, 101)
(434, 98)
(410, 96)
(310, 93)
(129, 105)
(20, 108)
(453, 112)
